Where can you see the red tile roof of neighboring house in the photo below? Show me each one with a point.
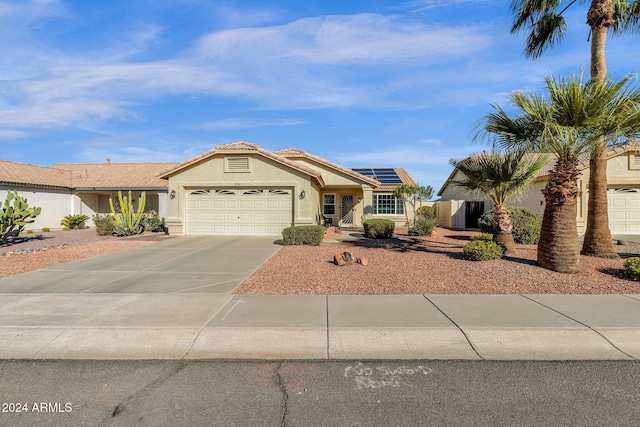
(116, 175)
(14, 173)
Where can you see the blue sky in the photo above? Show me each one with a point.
(366, 83)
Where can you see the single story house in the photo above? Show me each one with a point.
(458, 208)
(234, 189)
(74, 189)
(243, 189)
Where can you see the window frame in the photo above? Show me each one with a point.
(325, 204)
(395, 209)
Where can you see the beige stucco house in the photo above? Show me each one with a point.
(85, 188)
(457, 208)
(232, 189)
(243, 189)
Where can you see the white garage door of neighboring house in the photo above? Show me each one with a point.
(235, 211)
(624, 210)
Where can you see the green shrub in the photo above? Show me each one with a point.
(424, 225)
(379, 228)
(104, 225)
(632, 268)
(152, 222)
(426, 211)
(74, 221)
(482, 250)
(303, 235)
(45, 229)
(526, 225)
(484, 236)
(29, 231)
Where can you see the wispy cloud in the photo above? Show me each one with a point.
(421, 5)
(347, 40)
(280, 66)
(408, 155)
(240, 123)
(12, 134)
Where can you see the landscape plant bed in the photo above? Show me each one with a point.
(425, 265)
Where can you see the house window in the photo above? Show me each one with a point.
(237, 164)
(387, 204)
(329, 204)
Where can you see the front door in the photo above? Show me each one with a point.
(347, 210)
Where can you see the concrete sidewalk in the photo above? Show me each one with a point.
(204, 326)
(171, 300)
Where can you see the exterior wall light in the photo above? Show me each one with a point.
(303, 194)
(172, 195)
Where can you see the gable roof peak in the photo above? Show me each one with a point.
(291, 152)
(240, 145)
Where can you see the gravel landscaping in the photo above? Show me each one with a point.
(402, 265)
(425, 265)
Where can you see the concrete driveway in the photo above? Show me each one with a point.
(198, 264)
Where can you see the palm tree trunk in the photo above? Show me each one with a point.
(502, 227)
(598, 43)
(559, 249)
(597, 237)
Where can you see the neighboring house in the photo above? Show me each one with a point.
(236, 189)
(457, 208)
(243, 189)
(74, 189)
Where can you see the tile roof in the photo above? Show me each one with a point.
(14, 173)
(295, 152)
(243, 147)
(116, 175)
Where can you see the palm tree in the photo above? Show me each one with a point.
(499, 177)
(545, 24)
(565, 123)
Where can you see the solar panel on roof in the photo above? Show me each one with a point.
(386, 176)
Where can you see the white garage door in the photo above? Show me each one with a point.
(234, 211)
(624, 210)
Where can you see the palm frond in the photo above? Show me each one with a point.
(498, 176)
(571, 119)
(627, 16)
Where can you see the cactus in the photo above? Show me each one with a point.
(128, 221)
(14, 216)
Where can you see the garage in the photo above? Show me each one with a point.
(238, 211)
(624, 210)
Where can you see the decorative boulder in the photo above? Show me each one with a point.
(344, 258)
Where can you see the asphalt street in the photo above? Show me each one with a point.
(322, 393)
